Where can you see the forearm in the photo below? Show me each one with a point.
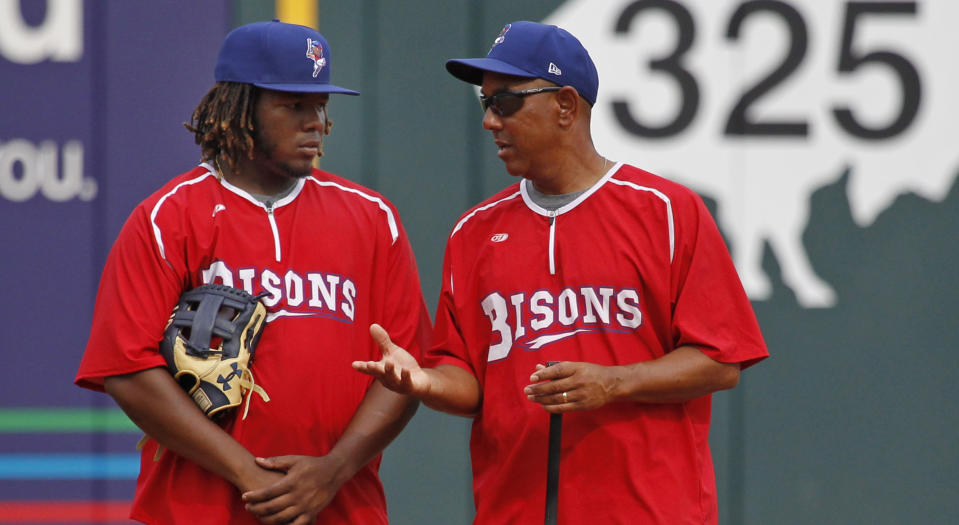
(157, 404)
(453, 390)
(379, 419)
(446, 388)
(683, 374)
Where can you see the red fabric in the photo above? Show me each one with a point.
(31, 512)
(625, 290)
(338, 261)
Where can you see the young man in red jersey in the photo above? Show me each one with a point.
(331, 258)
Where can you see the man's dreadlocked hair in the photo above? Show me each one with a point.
(223, 121)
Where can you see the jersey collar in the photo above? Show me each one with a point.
(563, 209)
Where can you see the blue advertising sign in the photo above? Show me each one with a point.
(94, 95)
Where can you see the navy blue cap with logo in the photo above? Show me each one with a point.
(278, 56)
(533, 50)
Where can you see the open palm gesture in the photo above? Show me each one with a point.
(397, 370)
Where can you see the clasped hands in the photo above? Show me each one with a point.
(294, 489)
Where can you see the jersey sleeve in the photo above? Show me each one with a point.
(137, 292)
(406, 317)
(449, 340)
(711, 310)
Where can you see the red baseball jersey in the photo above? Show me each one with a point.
(631, 269)
(332, 257)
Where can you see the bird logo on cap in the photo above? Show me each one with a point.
(501, 37)
(314, 51)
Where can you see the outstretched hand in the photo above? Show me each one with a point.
(569, 386)
(397, 370)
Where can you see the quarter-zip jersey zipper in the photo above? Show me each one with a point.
(276, 231)
(552, 240)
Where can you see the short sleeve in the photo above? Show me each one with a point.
(449, 342)
(711, 310)
(407, 319)
(137, 292)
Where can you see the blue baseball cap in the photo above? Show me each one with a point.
(279, 56)
(532, 50)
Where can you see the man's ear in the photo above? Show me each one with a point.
(568, 101)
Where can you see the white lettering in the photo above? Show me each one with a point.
(318, 290)
(568, 307)
(325, 294)
(60, 189)
(58, 38)
(517, 300)
(20, 152)
(537, 308)
(556, 314)
(594, 302)
(39, 171)
(271, 283)
(246, 277)
(218, 270)
(349, 293)
(294, 289)
(494, 306)
(623, 299)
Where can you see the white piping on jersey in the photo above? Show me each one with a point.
(470, 216)
(669, 210)
(277, 251)
(390, 219)
(300, 183)
(157, 235)
(481, 208)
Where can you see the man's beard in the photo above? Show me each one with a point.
(264, 150)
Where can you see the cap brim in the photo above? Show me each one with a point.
(471, 69)
(306, 87)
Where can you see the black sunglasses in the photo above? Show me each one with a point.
(505, 103)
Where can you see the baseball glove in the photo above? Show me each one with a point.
(209, 344)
